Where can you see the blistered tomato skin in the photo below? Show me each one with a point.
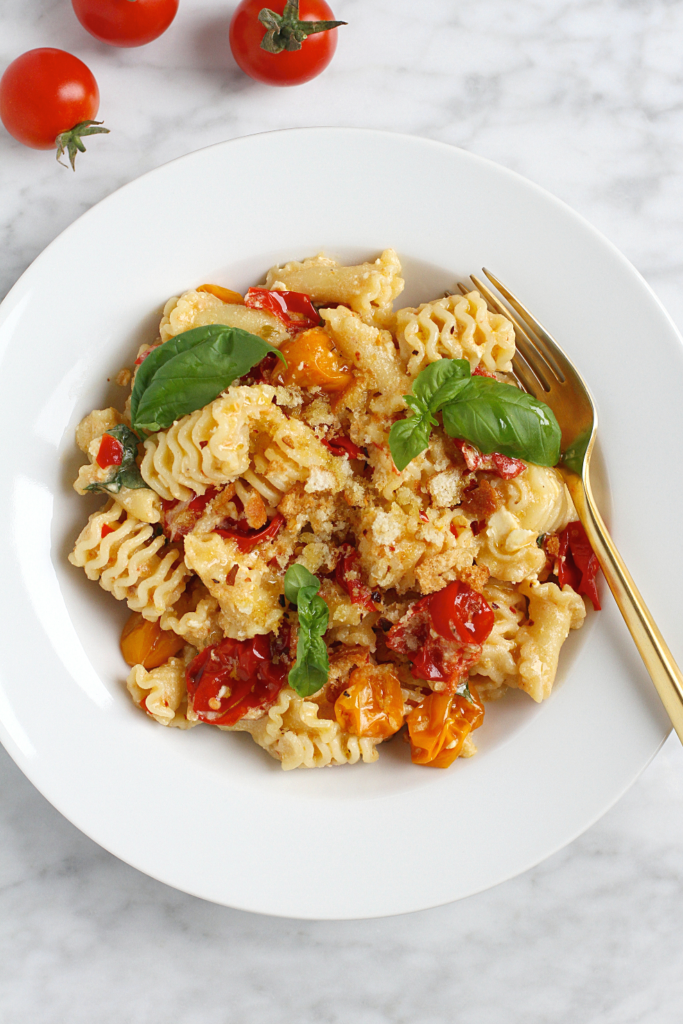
(439, 726)
(460, 613)
(313, 361)
(125, 22)
(146, 643)
(228, 679)
(372, 704)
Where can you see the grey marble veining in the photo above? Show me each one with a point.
(584, 97)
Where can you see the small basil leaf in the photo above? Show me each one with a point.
(312, 664)
(191, 370)
(498, 417)
(574, 455)
(409, 437)
(296, 577)
(127, 473)
(463, 690)
(440, 381)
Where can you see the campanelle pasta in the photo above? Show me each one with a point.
(421, 594)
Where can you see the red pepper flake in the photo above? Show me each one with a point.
(141, 358)
(478, 526)
(577, 564)
(245, 538)
(425, 518)
(106, 530)
(110, 452)
(503, 465)
(344, 446)
(294, 309)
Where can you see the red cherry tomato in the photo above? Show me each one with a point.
(49, 98)
(289, 66)
(460, 613)
(125, 22)
(228, 679)
(110, 452)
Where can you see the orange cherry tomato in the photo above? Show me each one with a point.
(439, 726)
(372, 703)
(146, 643)
(313, 361)
(224, 294)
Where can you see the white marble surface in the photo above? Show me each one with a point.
(585, 98)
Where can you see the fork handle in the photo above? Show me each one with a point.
(657, 657)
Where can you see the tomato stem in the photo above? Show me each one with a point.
(72, 141)
(286, 31)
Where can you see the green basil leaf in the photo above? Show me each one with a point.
(127, 473)
(312, 665)
(498, 417)
(441, 381)
(296, 577)
(463, 690)
(409, 437)
(189, 371)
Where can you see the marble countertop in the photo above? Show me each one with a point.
(586, 99)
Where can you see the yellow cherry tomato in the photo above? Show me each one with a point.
(372, 703)
(313, 361)
(146, 643)
(439, 726)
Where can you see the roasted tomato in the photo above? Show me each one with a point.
(179, 517)
(442, 633)
(246, 538)
(224, 294)
(503, 465)
(372, 703)
(313, 361)
(348, 575)
(146, 643)
(110, 452)
(460, 613)
(438, 727)
(227, 680)
(342, 445)
(295, 309)
(577, 564)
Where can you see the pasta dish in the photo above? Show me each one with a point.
(332, 521)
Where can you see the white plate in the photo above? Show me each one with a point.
(209, 813)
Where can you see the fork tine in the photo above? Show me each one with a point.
(526, 377)
(546, 343)
(534, 359)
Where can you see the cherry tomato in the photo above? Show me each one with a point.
(49, 98)
(307, 53)
(228, 679)
(438, 727)
(246, 538)
(313, 362)
(146, 643)
(577, 563)
(295, 309)
(125, 22)
(110, 452)
(372, 703)
(460, 613)
(348, 575)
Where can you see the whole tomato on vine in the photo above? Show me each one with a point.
(49, 98)
(283, 45)
(125, 22)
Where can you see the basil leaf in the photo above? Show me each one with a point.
(127, 474)
(463, 690)
(498, 417)
(189, 371)
(441, 381)
(296, 577)
(409, 437)
(312, 665)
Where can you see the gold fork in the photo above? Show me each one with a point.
(542, 369)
